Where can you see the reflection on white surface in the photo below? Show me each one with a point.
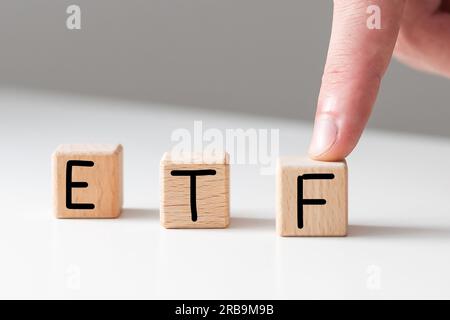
(399, 219)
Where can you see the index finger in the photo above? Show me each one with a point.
(357, 59)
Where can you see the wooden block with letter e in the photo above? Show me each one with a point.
(195, 191)
(311, 197)
(87, 181)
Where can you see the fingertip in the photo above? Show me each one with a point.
(324, 136)
(330, 156)
(328, 142)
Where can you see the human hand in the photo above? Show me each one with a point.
(417, 31)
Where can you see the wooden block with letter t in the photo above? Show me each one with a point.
(87, 181)
(311, 197)
(195, 191)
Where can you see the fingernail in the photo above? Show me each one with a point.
(324, 136)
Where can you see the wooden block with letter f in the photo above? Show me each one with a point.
(87, 181)
(195, 190)
(311, 197)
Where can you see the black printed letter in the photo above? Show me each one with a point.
(193, 174)
(70, 185)
(301, 202)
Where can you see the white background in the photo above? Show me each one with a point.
(399, 234)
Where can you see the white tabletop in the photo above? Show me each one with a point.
(399, 234)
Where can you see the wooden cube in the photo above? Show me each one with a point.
(311, 197)
(195, 191)
(87, 181)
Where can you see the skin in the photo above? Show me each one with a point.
(417, 32)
